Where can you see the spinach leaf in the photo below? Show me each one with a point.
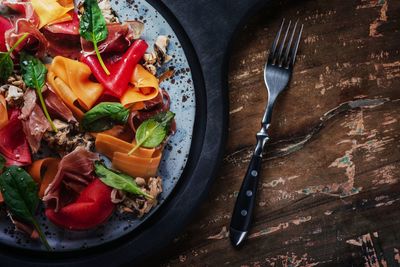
(33, 71)
(6, 66)
(152, 132)
(20, 194)
(119, 181)
(93, 27)
(34, 75)
(104, 116)
(6, 63)
(2, 163)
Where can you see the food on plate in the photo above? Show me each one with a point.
(83, 116)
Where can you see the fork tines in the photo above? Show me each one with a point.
(285, 56)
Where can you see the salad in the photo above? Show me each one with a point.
(83, 117)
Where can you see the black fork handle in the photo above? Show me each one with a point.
(243, 212)
(210, 25)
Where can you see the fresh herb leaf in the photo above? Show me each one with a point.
(93, 27)
(6, 66)
(104, 116)
(34, 75)
(2, 163)
(6, 63)
(119, 181)
(20, 194)
(152, 132)
(33, 71)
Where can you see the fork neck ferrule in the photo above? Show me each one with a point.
(262, 139)
(266, 120)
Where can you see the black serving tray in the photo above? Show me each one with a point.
(205, 29)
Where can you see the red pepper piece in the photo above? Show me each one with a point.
(121, 71)
(5, 25)
(91, 208)
(13, 144)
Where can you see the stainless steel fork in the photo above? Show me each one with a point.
(277, 73)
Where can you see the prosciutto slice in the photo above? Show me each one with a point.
(29, 104)
(5, 25)
(64, 38)
(57, 108)
(13, 144)
(35, 43)
(120, 37)
(74, 174)
(159, 104)
(35, 127)
(34, 123)
(24, 10)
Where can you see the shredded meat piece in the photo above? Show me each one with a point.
(159, 56)
(13, 95)
(108, 12)
(68, 138)
(74, 174)
(117, 196)
(138, 204)
(29, 104)
(14, 90)
(17, 81)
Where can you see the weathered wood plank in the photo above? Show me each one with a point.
(330, 181)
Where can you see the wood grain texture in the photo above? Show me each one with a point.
(330, 184)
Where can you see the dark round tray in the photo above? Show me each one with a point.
(205, 29)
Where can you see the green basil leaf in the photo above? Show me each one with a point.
(152, 132)
(6, 66)
(20, 193)
(118, 180)
(2, 163)
(34, 75)
(93, 28)
(6, 63)
(92, 24)
(104, 116)
(33, 71)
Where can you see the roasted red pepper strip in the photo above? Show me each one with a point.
(121, 71)
(13, 144)
(5, 25)
(92, 208)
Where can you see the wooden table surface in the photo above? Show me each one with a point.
(330, 185)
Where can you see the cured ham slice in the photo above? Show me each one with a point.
(35, 43)
(57, 108)
(151, 108)
(34, 123)
(24, 10)
(13, 144)
(74, 174)
(35, 127)
(29, 104)
(64, 38)
(5, 25)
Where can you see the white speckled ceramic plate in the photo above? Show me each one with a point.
(181, 90)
